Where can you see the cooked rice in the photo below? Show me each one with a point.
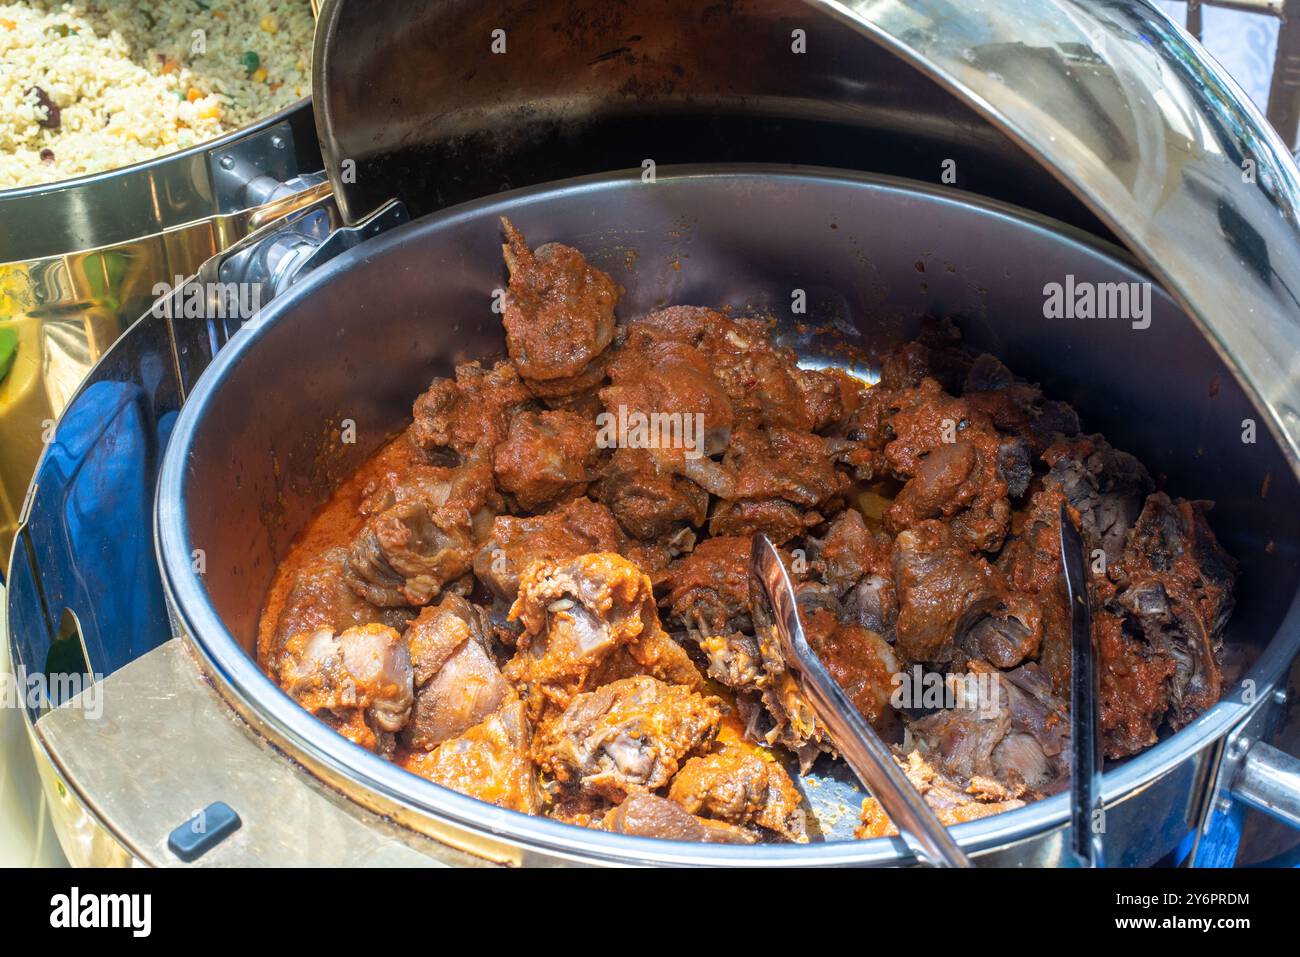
(129, 84)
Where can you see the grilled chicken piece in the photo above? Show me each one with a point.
(577, 528)
(546, 456)
(455, 415)
(457, 682)
(588, 621)
(645, 815)
(559, 315)
(359, 682)
(409, 553)
(741, 786)
(949, 801)
(321, 599)
(627, 736)
(489, 761)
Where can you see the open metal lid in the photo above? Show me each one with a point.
(1092, 113)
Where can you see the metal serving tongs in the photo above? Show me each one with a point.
(773, 607)
(1085, 745)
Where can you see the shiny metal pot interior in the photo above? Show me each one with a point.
(254, 448)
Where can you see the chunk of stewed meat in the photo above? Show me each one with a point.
(559, 311)
(546, 456)
(588, 621)
(1175, 592)
(860, 661)
(649, 498)
(627, 736)
(664, 397)
(489, 762)
(1104, 485)
(410, 553)
(942, 590)
(1005, 736)
(320, 598)
(949, 800)
(647, 815)
(454, 415)
(360, 681)
(741, 786)
(579, 527)
(457, 681)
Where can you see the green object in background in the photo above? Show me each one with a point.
(8, 349)
(251, 60)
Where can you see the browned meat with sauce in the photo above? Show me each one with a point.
(646, 815)
(1005, 737)
(455, 415)
(708, 590)
(359, 681)
(1104, 485)
(559, 315)
(546, 456)
(665, 378)
(409, 553)
(321, 599)
(457, 681)
(1162, 628)
(942, 590)
(1034, 616)
(649, 499)
(949, 453)
(489, 762)
(860, 661)
(740, 786)
(586, 622)
(576, 528)
(481, 602)
(1017, 408)
(626, 736)
(951, 803)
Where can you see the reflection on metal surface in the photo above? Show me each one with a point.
(1155, 138)
(1269, 780)
(119, 205)
(412, 97)
(68, 309)
(188, 749)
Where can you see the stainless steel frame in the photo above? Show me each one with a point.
(1104, 116)
(428, 285)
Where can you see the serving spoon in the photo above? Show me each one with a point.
(774, 609)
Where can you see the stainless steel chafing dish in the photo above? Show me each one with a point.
(1086, 139)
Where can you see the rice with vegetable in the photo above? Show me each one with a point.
(91, 85)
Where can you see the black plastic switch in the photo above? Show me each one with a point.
(204, 831)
